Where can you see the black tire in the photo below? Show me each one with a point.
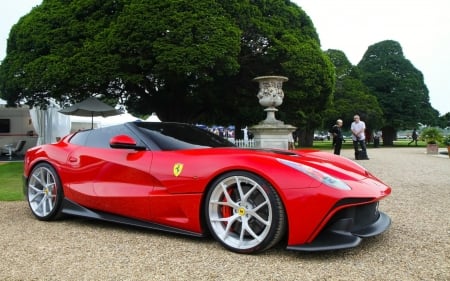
(44, 192)
(244, 213)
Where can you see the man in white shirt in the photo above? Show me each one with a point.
(358, 128)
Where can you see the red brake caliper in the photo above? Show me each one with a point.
(226, 211)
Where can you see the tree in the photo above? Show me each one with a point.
(48, 52)
(398, 86)
(190, 61)
(444, 120)
(351, 96)
(310, 92)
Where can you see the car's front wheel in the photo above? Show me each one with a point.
(244, 213)
(44, 192)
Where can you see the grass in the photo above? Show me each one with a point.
(11, 181)
(348, 144)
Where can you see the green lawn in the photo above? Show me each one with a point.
(348, 144)
(11, 181)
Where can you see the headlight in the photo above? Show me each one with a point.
(316, 174)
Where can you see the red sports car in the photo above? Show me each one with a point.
(179, 178)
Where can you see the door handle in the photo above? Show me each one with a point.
(73, 159)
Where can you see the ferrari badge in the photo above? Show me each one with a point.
(177, 168)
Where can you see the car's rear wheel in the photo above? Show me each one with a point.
(244, 213)
(44, 192)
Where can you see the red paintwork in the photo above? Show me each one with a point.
(142, 184)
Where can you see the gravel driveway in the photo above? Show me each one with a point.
(416, 247)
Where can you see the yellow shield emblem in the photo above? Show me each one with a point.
(177, 168)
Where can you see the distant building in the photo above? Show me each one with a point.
(16, 125)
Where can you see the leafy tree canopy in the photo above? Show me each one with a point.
(398, 86)
(351, 96)
(189, 61)
(46, 52)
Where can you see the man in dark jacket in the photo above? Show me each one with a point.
(337, 136)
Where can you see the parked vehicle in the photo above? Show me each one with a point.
(183, 179)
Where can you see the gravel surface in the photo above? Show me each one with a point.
(416, 247)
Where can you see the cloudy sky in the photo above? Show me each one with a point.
(420, 26)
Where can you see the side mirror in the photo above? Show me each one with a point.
(124, 141)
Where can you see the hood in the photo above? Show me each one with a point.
(326, 162)
(329, 163)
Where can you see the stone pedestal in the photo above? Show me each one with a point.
(272, 136)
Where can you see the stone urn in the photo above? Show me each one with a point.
(270, 95)
(272, 133)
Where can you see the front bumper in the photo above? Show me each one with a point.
(347, 228)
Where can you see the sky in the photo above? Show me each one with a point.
(10, 13)
(420, 26)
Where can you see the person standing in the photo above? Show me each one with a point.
(358, 128)
(414, 137)
(377, 138)
(336, 132)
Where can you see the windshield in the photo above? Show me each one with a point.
(174, 136)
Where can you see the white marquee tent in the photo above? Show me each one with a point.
(82, 123)
(49, 124)
(153, 118)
